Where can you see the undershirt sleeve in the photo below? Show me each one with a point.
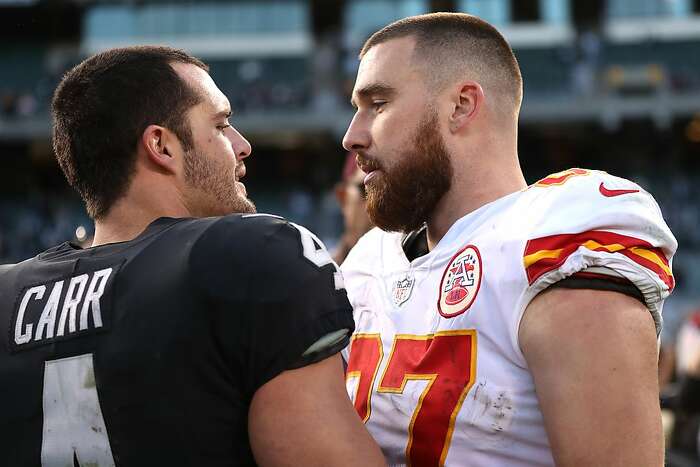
(595, 281)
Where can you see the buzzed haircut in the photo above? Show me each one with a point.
(451, 45)
(101, 108)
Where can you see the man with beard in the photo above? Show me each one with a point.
(497, 324)
(178, 338)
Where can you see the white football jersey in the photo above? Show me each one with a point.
(435, 368)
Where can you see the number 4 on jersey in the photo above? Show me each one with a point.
(74, 429)
(314, 251)
(445, 360)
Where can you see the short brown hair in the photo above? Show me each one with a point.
(101, 108)
(452, 44)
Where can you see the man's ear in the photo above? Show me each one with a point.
(467, 102)
(158, 143)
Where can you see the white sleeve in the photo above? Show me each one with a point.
(600, 221)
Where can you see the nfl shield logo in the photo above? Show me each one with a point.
(402, 290)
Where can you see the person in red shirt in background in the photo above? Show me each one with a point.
(351, 196)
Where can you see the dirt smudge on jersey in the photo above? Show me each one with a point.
(489, 409)
(89, 381)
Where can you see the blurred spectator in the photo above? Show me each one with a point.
(350, 193)
(683, 396)
(688, 358)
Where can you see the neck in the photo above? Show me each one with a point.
(132, 213)
(472, 188)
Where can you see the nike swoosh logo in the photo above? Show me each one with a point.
(610, 193)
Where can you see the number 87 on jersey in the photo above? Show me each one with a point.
(431, 373)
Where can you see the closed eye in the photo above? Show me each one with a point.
(221, 119)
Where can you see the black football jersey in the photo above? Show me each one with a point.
(148, 352)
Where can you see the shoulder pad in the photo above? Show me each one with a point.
(263, 251)
(583, 218)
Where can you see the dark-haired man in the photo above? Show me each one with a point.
(179, 337)
(496, 324)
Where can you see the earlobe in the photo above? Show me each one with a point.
(467, 103)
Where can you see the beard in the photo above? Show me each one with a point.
(216, 192)
(404, 196)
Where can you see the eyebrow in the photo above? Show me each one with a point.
(223, 114)
(371, 90)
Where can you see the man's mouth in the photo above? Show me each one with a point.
(367, 165)
(240, 171)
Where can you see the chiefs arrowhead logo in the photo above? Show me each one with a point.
(460, 282)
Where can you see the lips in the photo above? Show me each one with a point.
(367, 165)
(240, 171)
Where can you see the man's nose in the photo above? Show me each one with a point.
(357, 136)
(241, 146)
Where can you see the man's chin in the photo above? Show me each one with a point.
(239, 205)
(244, 205)
(397, 216)
(249, 208)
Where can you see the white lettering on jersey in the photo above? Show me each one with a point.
(48, 316)
(83, 291)
(92, 299)
(315, 251)
(71, 303)
(20, 337)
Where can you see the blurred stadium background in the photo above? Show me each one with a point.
(609, 84)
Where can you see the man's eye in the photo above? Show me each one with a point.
(223, 127)
(378, 104)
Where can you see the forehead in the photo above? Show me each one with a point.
(389, 62)
(200, 81)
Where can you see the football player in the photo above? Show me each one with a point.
(185, 335)
(497, 324)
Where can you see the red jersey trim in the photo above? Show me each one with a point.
(546, 254)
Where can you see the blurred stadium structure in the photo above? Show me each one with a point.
(609, 84)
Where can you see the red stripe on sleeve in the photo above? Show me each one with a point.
(569, 243)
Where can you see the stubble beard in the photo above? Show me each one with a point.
(405, 196)
(217, 193)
